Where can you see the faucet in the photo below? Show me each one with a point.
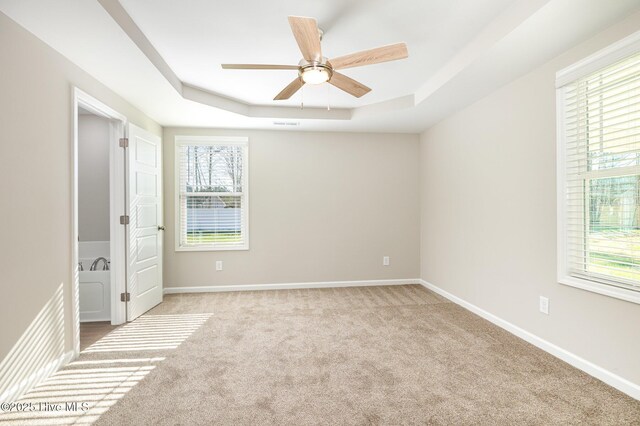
(94, 265)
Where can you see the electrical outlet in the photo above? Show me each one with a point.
(385, 261)
(544, 305)
(218, 265)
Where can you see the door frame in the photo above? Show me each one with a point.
(117, 195)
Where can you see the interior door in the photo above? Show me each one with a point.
(144, 231)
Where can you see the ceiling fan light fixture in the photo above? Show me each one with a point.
(316, 74)
(316, 69)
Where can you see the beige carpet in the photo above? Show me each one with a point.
(372, 355)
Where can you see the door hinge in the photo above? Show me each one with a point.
(125, 297)
(124, 219)
(124, 142)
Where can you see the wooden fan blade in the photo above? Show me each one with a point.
(305, 31)
(391, 52)
(349, 85)
(258, 67)
(288, 91)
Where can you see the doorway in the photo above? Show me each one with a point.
(118, 279)
(99, 193)
(94, 257)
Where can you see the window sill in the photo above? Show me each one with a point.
(207, 248)
(604, 289)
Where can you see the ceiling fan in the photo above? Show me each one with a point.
(316, 69)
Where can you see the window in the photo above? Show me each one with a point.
(599, 173)
(211, 196)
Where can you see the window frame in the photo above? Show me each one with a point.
(601, 59)
(182, 140)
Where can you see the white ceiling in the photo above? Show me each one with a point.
(195, 37)
(164, 56)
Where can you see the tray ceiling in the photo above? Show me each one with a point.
(164, 56)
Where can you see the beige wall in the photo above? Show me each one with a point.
(93, 178)
(35, 187)
(488, 194)
(323, 207)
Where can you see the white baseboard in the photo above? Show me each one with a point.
(16, 391)
(612, 379)
(288, 286)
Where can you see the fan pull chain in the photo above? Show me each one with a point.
(302, 98)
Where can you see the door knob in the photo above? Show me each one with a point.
(160, 228)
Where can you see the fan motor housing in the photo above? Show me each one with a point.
(317, 65)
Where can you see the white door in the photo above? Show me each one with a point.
(144, 232)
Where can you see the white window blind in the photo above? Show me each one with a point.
(601, 133)
(212, 202)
